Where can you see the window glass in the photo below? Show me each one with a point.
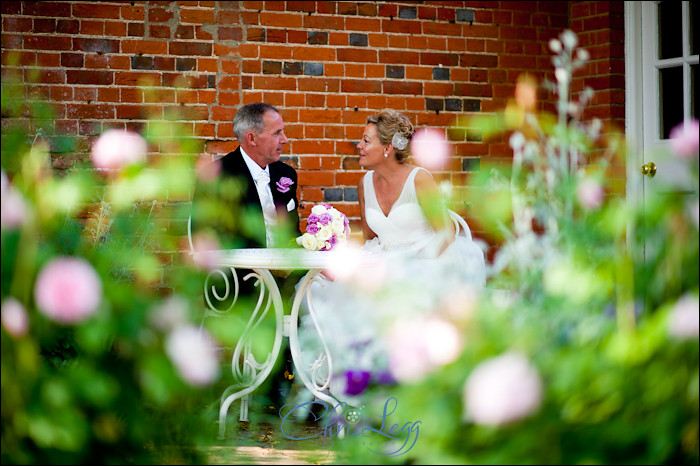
(670, 99)
(670, 32)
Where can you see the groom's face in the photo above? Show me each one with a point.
(269, 143)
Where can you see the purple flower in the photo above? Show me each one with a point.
(283, 184)
(325, 218)
(356, 382)
(312, 228)
(313, 219)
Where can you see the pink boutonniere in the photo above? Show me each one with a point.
(283, 184)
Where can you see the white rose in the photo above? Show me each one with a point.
(309, 241)
(338, 229)
(335, 213)
(318, 209)
(325, 233)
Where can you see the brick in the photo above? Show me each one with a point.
(358, 40)
(72, 60)
(136, 29)
(140, 62)
(190, 48)
(401, 26)
(408, 12)
(89, 77)
(95, 45)
(159, 31)
(313, 69)
(361, 86)
(46, 43)
(185, 64)
(317, 38)
(402, 87)
(268, 67)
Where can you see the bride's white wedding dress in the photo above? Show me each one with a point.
(408, 279)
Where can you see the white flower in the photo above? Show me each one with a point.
(308, 241)
(569, 39)
(517, 141)
(14, 317)
(684, 320)
(502, 390)
(194, 355)
(562, 75)
(399, 141)
(555, 45)
(325, 233)
(318, 209)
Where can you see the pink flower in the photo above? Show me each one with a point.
(502, 390)
(68, 290)
(590, 193)
(418, 346)
(684, 320)
(194, 354)
(204, 247)
(207, 170)
(13, 208)
(14, 318)
(283, 184)
(116, 148)
(169, 313)
(684, 139)
(430, 148)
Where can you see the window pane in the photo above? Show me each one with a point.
(693, 19)
(670, 30)
(693, 101)
(670, 98)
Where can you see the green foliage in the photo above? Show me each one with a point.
(102, 390)
(587, 288)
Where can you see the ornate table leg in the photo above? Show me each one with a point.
(314, 380)
(247, 371)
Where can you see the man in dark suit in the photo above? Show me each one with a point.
(236, 205)
(252, 203)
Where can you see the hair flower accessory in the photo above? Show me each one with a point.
(283, 184)
(399, 141)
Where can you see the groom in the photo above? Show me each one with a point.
(252, 203)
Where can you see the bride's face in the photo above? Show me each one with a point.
(370, 147)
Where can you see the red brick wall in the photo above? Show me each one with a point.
(325, 65)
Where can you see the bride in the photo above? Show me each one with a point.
(421, 262)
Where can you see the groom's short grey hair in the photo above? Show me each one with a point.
(250, 117)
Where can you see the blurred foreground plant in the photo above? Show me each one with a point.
(101, 358)
(581, 350)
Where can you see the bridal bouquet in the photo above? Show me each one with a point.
(326, 228)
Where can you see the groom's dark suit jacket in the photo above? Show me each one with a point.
(230, 205)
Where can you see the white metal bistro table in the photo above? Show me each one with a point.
(248, 373)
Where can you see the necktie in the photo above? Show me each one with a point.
(262, 183)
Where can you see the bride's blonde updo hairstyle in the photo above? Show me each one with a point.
(390, 123)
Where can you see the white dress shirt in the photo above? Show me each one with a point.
(262, 184)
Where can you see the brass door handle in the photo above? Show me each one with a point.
(649, 169)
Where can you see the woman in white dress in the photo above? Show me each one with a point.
(423, 261)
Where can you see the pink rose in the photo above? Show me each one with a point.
(430, 148)
(283, 184)
(417, 347)
(116, 148)
(590, 193)
(502, 390)
(14, 318)
(13, 208)
(684, 139)
(68, 290)
(194, 354)
(684, 320)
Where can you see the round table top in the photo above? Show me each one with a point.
(272, 258)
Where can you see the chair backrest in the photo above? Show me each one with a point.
(461, 227)
(189, 234)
